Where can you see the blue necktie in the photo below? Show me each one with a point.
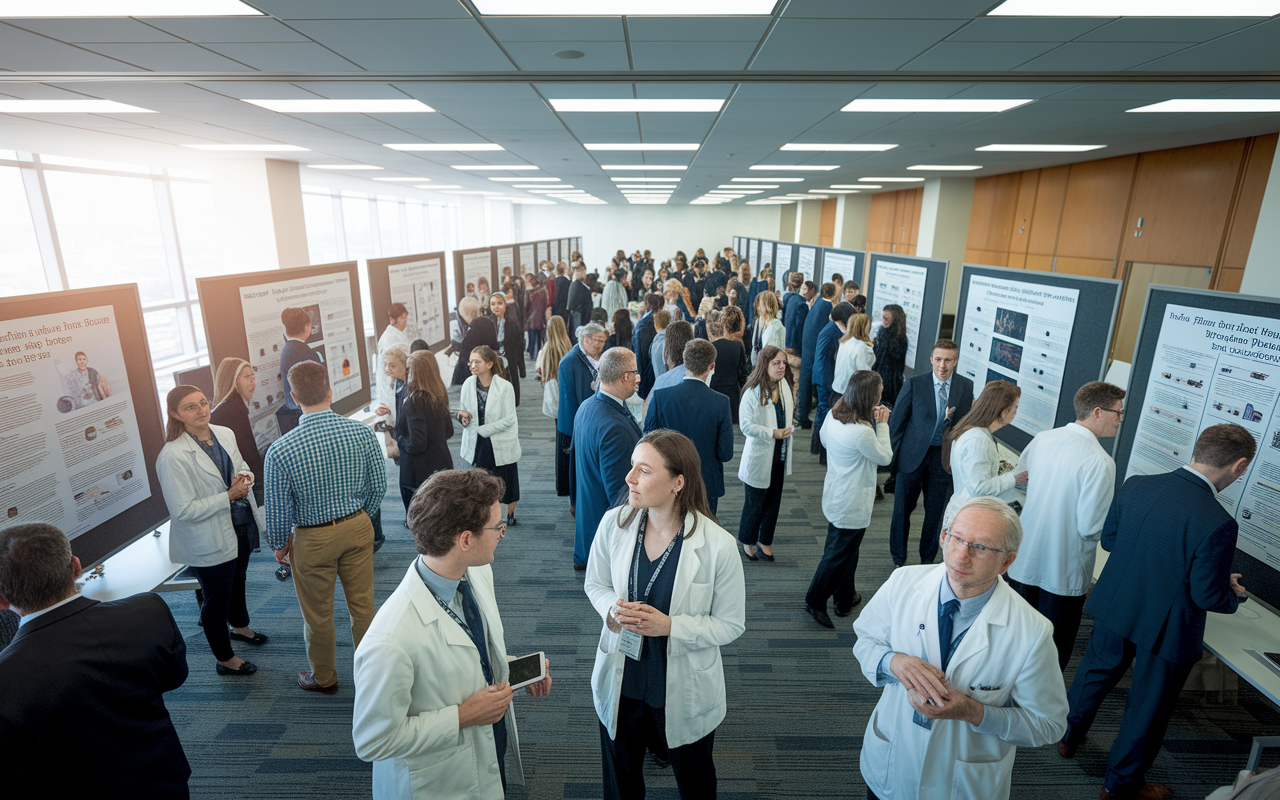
(946, 627)
(476, 623)
(942, 414)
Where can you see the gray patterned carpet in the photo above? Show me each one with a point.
(797, 702)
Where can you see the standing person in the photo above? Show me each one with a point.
(955, 706)
(395, 365)
(423, 427)
(678, 300)
(605, 433)
(535, 313)
(854, 353)
(212, 518)
(815, 320)
(658, 681)
(744, 299)
(1066, 507)
(548, 372)
(510, 340)
(481, 330)
(297, 329)
(431, 674)
(490, 430)
(767, 329)
(325, 480)
(795, 308)
(622, 330)
(764, 412)
(393, 336)
(695, 281)
(615, 293)
(1172, 544)
(732, 368)
(85, 678)
(824, 368)
(927, 406)
(757, 286)
(578, 306)
(857, 441)
(678, 335)
(891, 350)
(233, 387)
(851, 292)
(642, 339)
(657, 364)
(700, 321)
(560, 300)
(578, 378)
(975, 461)
(694, 409)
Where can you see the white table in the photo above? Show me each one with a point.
(143, 566)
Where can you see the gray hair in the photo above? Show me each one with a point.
(1011, 536)
(399, 352)
(591, 329)
(615, 363)
(469, 307)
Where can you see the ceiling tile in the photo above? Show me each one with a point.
(94, 30)
(873, 9)
(263, 90)
(1025, 29)
(364, 10)
(884, 44)
(696, 29)
(410, 45)
(285, 56)
(556, 29)
(1099, 56)
(1254, 48)
(226, 30)
(598, 56)
(693, 57)
(837, 94)
(683, 91)
(176, 57)
(1165, 30)
(22, 50)
(978, 56)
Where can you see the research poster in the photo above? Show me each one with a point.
(1212, 367)
(476, 271)
(903, 285)
(1019, 332)
(417, 284)
(565, 249)
(527, 264)
(782, 259)
(843, 263)
(766, 260)
(334, 338)
(807, 261)
(556, 254)
(753, 247)
(543, 253)
(506, 260)
(70, 453)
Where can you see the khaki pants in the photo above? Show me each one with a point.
(343, 551)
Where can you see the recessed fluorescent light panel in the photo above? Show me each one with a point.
(406, 180)
(69, 107)
(532, 201)
(894, 180)
(761, 186)
(446, 148)
(644, 167)
(541, 186)
(766, 180)
(1135, 8)
(321, 106)
(473, 191)
(438, 186)
(634, 106)
(629, 8)
(249, 148)
(945, 167)
(641, 147)
(1211, 106)
(855, 186)
(836, 191)
(17, 9)
(796, 168)
(351, 167)
(648, 180)
(846, 148)
(739, 191)
(528, 180)
(1039, 148)
(946, 106)
(495, 167)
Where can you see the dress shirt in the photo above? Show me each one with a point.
(615, 399)
(25, 618)
(327, 468)
(442, 587)
(1202, 477)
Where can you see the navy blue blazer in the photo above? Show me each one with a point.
(1171, 545)
(293, 353)
(915, 416)
(574, 379)
(703, 414)
(824, 361)
(794, 312)
(604, 435)
(641, 340)
(815, 320)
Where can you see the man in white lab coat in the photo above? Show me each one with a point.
(967, 667)
(1071, 480)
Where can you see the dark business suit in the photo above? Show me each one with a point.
(83, 700)
(717, 279)
(701, 413)
(512, 344)
(822, 375)
(293, 353)
(422, 433)
(233, 413)
(484, 331)
(794, 312)
(641, 341)
(1171, 545)
(574, 377)
(579, 307)
(608, 433)
(733, 368)
(561, 302)
(916, 438)
(815, 320)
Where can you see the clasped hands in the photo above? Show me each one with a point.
(464, 417)
(640, 618)
(930, 693)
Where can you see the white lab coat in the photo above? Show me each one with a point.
(851, 356)
(200, 529)
(614, 298)
(975, 471)
(708, 611)
(551, 398)
(758, 424)
(501, 425)
(391, 337)
(1069, 489)
(1006, 660)
(413, 669)
(854, 450)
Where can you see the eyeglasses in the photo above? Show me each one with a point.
(1119, 412)
(978, 550)
(501, 528)
(631, 372)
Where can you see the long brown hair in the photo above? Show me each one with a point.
(622, 327)
(680, 457)
(899, 325)
(860, 396)
(997, 397)
(224, 381)
(760, 374)
(424, 381)
(554, 350)
(174, 427)
(486, 354)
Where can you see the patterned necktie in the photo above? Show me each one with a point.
(475, 622)
(942, 412)
(946, 627)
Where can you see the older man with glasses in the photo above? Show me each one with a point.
(967, 667)
(1072, 481)
(578, 377)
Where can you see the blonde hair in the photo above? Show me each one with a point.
(770, 302)
(554, 350)
(859, 327)
(224, 382)
(680, 291)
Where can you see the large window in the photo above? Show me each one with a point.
(21, 270)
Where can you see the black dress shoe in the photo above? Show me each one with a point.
(803, 424)
(247, 668)
(762, 555)
(820, 617)
(750, 557)
(579, 567)
(378, 543)
(256, 638)
(844, 612)
(511, 521)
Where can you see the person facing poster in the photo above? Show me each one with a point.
(974, 459)
(84, 384)
(234, 385)
(423, 427)
(480, 330)
(297, 329)
(394, 334)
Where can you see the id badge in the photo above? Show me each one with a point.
(630, 643)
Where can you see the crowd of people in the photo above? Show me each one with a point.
(647, 377)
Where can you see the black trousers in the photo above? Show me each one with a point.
(936, 483)
(714, 502)
(760, 507)
(640, 728)
(1156, 685)
(566, 480)
(804, 393)
(1062, 610)
(222, 587)
(834, 575)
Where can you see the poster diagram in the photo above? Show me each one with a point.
(527, 264)
(70, 453)
(417, 285)
(1019, 332)
(903, 285)
(807, 261)
(1212, 367)
(753, 247)
(506, 260)
(334, 339)
(476, 271)
(766, 260)
(843, 263)
(783, 259)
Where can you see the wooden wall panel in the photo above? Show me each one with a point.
(991, 217)
(1095, 267)
(827, 224)
(881, 221)
(1051, 192)
(913, 200)
(1039, 262)
(1024, 210)
(1229, 279)
(991, 258)
(1244, 219)
(1093, 211)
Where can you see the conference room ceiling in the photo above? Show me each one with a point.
(783, 78)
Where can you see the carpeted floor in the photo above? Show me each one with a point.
(797, 701)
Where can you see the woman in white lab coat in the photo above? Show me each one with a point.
(766, 327)
(855, 352)
(975, 461)
(764, 414)
(658, 677)
(490, 430)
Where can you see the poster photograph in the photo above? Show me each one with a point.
(417, 285)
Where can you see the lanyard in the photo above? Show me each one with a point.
(479, 643)
(635, 562)
(595, 373)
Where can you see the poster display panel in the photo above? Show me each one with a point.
(477, 273)
(807, 261)
(527, 264)
(766, 260)
(1018, 332)
(753, 248)
(903, 285)
(565, 248)
(556, 254)
(419, 285)
(782, 258)
(506, 261)
(846, 264)
(544, 252)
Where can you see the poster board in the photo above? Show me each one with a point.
(248, 325)
(766, 259)
(916, 284)
(807, 263)
(525, 258)
(1204, 358)
(849, 263)
(420, 282)
(77, 456)
(1047, 332)
(543, 251)
(475, 271)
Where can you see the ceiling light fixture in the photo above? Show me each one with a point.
(945, 106)
(249, 148)
(855, 186)
(629, 8)
(644, 167)
(473, 191)
(740, 191)
(532, 201)
(350, 167)
(635, 106)
(495, 167)
(838, 191)
(767, 180)
(641, 147)
(446, 148)
(1039, 148)
(753, 186)
(944, 167)
(541, 186)
(19, 9)
(1210, 106)
(1135, 8)
(894, 180)
(848, 148)
(649, 180)
(69, 107)
(528, 180)
(438, 186)
(797, 167)
(322, 106)
(406, 180)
